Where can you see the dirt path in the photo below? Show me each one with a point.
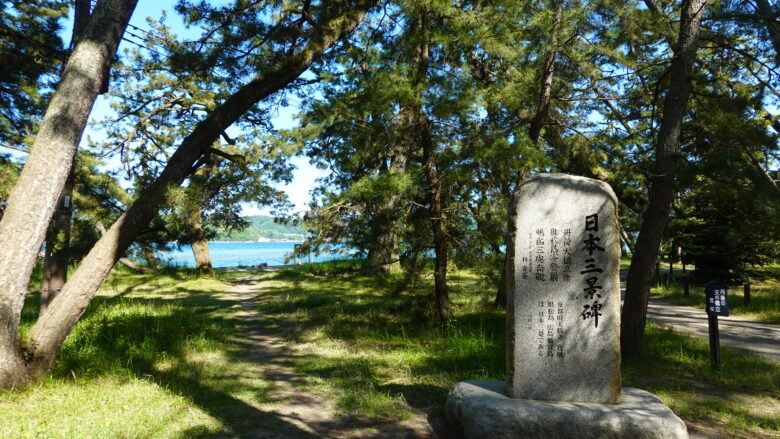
(309, 413)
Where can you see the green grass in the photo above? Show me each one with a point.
(156, 356)
(741, 398)
(764, 303)
(153, 357)
(375, 350)
(380, 356)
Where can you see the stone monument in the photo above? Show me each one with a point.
(563, 325)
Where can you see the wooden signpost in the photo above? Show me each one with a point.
(717, 305)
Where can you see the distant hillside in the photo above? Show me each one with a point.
(263, 227)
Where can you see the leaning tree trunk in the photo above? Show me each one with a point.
(661, 191)
(34, 197)
(57, 256)
(51, 329)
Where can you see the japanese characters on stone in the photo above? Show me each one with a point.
(593, 289)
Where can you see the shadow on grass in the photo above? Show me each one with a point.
(159, 339)
(392, 351)
(390, 354)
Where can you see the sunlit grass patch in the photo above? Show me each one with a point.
(152, 357)
(381, 356)
(376, 349)
(108, 407)
(742, 395)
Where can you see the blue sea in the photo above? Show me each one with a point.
(235, 254)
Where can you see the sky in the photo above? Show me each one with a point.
(305, 174)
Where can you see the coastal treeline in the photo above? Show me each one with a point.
(427, 114)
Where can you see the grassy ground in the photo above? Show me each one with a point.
(155, 357)
(147, 360)
(379, 355)
(764, 303)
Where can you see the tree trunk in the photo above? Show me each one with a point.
(200, 247)
(769, 16)
(383, 256)
(432, 182)
(149, 256)
(200, 250)
(661, 191)
(499, 300)
(197, 197)
(57, 256)
(436, 212)
(124, 261)
(627, 239)
(34, 197)
(129, 263)
(51, 329)
(548, 73)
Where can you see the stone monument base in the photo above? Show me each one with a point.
(480, 409)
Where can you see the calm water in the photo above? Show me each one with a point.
(234, 254)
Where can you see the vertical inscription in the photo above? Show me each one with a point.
(555, 256)
(549, 255)
(527, 263)
(592, 290)
(540, 320)
(539, 258)
(549, 329)
(566, 255)
(559, 319)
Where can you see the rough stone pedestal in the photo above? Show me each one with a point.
(480, 409)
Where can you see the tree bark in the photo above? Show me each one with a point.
(383, 256)
(197, 201)
(627, 239)
(50, 331)
(34, 197)
(432, 180)
(57, 256)
(200, 250)
(661, 191)
(129, 263)
(769, 16)
(436, 214)
(548, 73)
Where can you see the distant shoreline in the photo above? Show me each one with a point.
(270, 240)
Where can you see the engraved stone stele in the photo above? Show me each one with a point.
(563, 320)
(563, 291)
